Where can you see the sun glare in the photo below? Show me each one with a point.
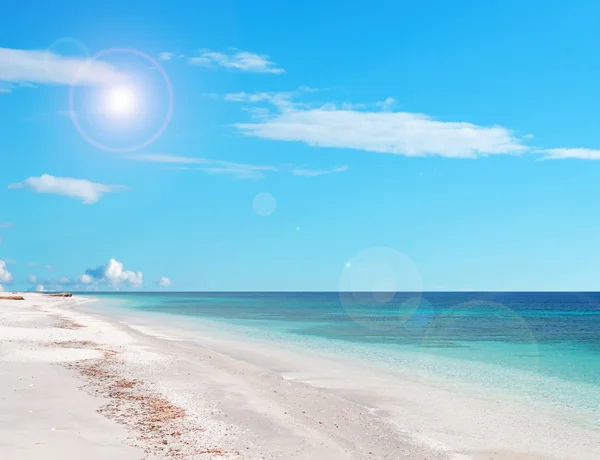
(120, 101)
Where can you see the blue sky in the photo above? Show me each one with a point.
(460, 137)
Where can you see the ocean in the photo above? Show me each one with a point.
(540, 346)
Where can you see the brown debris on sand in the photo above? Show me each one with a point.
(12, 297)
(107, 352)
(216, 452)
(64, 323)
(76, 344)
(158, 426)
(61, 294)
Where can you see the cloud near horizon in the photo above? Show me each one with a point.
(237, 170)
(5, 275)
(164, 281)
(34, 66)
(112, 274)
(86, 191)
(238, 60)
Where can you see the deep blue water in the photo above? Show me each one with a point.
(553, 336)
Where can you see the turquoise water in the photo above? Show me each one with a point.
(538, 345)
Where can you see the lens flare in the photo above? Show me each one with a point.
(120, 101)
(264, 204)
(380, 289)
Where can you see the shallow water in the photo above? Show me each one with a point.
(543, 346)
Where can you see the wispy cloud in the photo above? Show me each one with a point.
(239, 60)
(383, 131)
(376, 127)
(574, 153)
(165, 158)
(27, 66)
(280, 99)
(317, 172)
(387, 104)
(88, 192)
(6, 225)
(165, 56)
(220, 167)
(238, 170)
(257, 97)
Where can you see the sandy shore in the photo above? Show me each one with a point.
(78, 384)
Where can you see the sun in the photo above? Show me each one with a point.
(120, 101)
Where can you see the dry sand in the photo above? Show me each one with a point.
(73, 385)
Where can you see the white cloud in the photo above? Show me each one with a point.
(64, 280)
(39, 288)
(164, 281)
(49, 267)
(86, 279)
(88, 192)
(45, 67)
(112, 274)
(165, 56)
(7, 225)
(1, 288)
(387, 104)
(32, 279)
(115, 274)
(5, 275)
(372, 127)
(240, 60)
(580, 154)
(400, 133)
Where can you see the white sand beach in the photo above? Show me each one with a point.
(75, 384)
